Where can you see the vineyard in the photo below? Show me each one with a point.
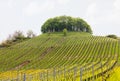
(54, 57)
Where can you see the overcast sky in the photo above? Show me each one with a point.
(102, 15)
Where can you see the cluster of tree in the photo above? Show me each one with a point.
(112, 36)
(18, 36)
(58, 24)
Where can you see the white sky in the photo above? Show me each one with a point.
(24, 15)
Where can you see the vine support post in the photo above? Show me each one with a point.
(81, 69)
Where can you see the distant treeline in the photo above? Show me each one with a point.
(17, 37)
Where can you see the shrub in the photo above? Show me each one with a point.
(65, 31)
(112, 36)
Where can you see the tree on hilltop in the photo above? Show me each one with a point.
(57, 24)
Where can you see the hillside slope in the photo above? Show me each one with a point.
(56, 51)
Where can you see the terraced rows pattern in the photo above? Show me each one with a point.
(78, 56)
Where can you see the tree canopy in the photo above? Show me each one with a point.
(57, 24)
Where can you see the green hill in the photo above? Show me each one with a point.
(77, 56)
